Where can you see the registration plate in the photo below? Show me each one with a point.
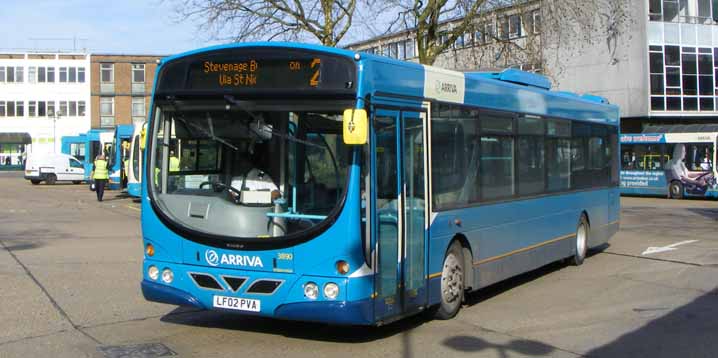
(235, 303)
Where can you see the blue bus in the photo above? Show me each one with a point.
(86, 146)
(310, 183)
(676, 162)
(118, 152)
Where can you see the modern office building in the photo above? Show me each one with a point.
(656, 59)
(43, 97)
(121, 88)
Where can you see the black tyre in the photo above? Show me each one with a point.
(51, 179)
(35, 181)
(675, 190)
(581, 246)
(76, 182)
(452, 283)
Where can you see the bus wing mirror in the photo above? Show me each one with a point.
(356, 126)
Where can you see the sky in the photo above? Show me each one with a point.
(100, 26)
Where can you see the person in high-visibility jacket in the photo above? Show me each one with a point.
(174, 162)
(126, 172)
(100, 174)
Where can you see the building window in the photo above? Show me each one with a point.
(11, 74)
(683, 78)
(504, 28)
(536, 21)
(138, 73)
(686, 11)
(51, 108)
(32, 74)
(51, 74)
(409, 48)
(71, 75)
(32, 108)
(138, 107)
(12, 108)
(107, 73)
(81, 108)
(107, 77)
(514, 26)
(107, 111)
(19, 71)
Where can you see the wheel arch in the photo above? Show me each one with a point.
(468, 259)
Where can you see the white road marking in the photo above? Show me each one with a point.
(655, 250)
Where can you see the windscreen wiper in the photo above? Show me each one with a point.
(241, 107)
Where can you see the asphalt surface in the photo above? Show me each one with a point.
(70, 274)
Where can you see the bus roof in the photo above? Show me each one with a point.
(510, 90)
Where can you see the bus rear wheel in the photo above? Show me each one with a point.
(582, 231)
(452, 283)
(675, 190)
(51, 179)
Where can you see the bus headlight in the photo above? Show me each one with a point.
(331, 290)
(167, 275)
(153, 272)
(311, 291)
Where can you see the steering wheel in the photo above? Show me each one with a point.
(219, 186)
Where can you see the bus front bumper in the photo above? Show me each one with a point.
(287, 302)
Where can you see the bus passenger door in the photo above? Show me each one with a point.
(414, 194)
(399, 210)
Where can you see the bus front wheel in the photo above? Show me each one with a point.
(582, 231)
(675, 190)
(452, 283)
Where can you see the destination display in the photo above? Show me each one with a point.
(242, 70)
(259, 73)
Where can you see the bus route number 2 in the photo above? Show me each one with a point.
(297, 66)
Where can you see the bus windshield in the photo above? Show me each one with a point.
(248, 171)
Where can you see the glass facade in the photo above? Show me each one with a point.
(683, 78)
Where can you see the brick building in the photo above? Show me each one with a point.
(121, 86)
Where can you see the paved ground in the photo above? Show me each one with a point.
(70, 272)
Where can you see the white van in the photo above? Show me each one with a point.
(53, 167)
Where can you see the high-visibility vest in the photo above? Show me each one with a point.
(101, 170)
(127, 167)
(174, 164)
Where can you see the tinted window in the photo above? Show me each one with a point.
(455, 156)
(497, 167)
(558, 161)
(531, 165)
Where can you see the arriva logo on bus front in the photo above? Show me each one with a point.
(214, 259)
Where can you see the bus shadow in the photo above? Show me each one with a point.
(293, 329)
(707, 213)
(687, 331)
(471, 344)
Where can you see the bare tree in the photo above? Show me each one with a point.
(327, 21)
(564, 27)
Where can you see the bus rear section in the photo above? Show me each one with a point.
(675, 164)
